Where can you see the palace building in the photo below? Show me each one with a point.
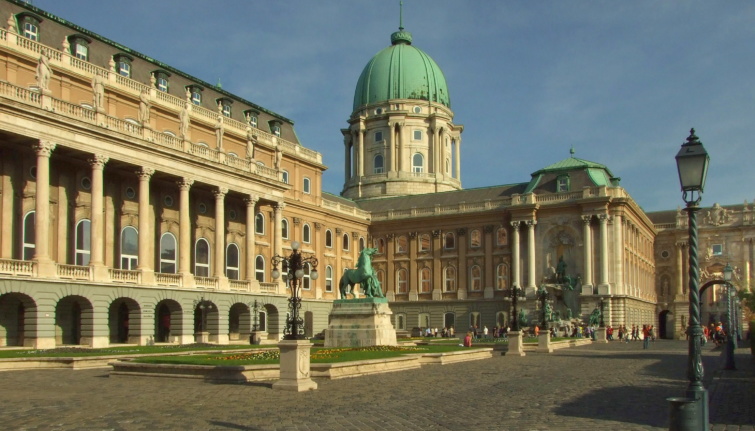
(140, 205)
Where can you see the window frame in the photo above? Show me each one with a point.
(83, 243)
(475, 280)
(449, 279)
(378, 164)
(29, 229)
(449, 237)
(202, 269)
(259, 223)
(307, 186)
(259, 268)
(328, 278)
(328, 238)
(425, 280)
(475, 242)
(418, 168)
(232, 272)
(402, 281)
(284, 228)
(174, 261)
(306, 233)
(129, 261)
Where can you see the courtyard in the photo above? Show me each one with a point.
(613, 386)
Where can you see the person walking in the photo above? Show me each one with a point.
(645, 336)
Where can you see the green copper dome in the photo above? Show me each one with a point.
(401, 71)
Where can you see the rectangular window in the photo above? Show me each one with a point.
(418, 135)
(718, 249)
(378, 136)
(227, 110)
(253, 121)
(277, 130)
(162, 84)
(82, 51)
(124, 69)
(196, 97)
(31, 31)
(563, 184)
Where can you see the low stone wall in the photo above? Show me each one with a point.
(340, 370)
(210, 373)
(84, 363)
(459, 356)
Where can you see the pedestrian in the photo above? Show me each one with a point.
(468, 340)
(645, 336)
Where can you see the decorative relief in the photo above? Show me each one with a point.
(488, 228)
(318, 226)
(436, 233)
(412, 235)
(461, 231)
(717, 215)
(297, 220)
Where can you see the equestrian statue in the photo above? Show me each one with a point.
(362, 274)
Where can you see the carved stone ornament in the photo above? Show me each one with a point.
(436, 233)
(461, 231)
(297, 220)
(718, 216)
(412, 235)
(488, 228)
(339, 230)
(318, 226)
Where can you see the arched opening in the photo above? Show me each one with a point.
(16, 310)
(666, 325)
(168, 321)
(272, 322)
(239, 322)
(73, 321)
(124, 321)
(206, 322)
(449, 320)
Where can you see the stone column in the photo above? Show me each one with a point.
(220, 231)
(97, 245)
(517, 281)
(604, 287)
(490, 268)
(146, 236)
(45, 265)
(531, 282)
(391, 157)
(251, 202)
(619, 254)
(360, 152)
(588, 251)
(278, 233)
(184, 228)
(457, 162)
(680, 269)
(347, 157)
(746, 256)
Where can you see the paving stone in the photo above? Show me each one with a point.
(594, 387)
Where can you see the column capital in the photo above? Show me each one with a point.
(586, 219)
(251, 200)
(98, 161)
(145, 173)
(531, 223)
(604, 218)
(44, 147)
(220, 192)
(279, 206)
(184, 184)
(515, 224)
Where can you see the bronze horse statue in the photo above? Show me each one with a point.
(362, 274)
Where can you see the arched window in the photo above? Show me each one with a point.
(259, 269)
(378, 163)
(232, 261)
(401, 286)
(202, 258)
(502, 237)
(361, 243)
(259, 224)
(345, 242)
(328, 238)
(83, 242)
(475, 278)
(284, 228)
(474, 319)
(306, 235)
(380, 245)
(328, 278)
(402, 244)
(425, 282)
(449, 279)
(285, 176)
(449, 241)
(129, 248)
(168, 253)
(502, 276)
(424, 242)
(307, 186)
(29, 236)
(380, 274)
(475, 238)
(418, 163)
(306, 283)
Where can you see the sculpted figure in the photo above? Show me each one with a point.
(98, 90)
(185, 120)
(362, 274)
(144, 106)
(44, 72)
(219, 130)
(278, 157)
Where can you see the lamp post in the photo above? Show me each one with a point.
(692, 163)
(254, 337)
(515, 291)
(204, 306)
(730, 293)
(295, 264)
(602, 323)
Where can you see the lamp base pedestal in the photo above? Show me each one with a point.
(516, 344)
(294, 367)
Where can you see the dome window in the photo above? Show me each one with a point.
(378, 137)
(417, 110)
(378, 111)
(417, 135)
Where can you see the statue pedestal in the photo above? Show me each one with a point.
(294, 368)
(600, 335)
(360, 323)
(544, 342)
(516, 343)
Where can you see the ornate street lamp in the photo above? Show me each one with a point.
(730, 331)
(515, 291)
(692, 163)
(543, 296)
(602, 323)
(295, 264)
(204, 306)
(254, 337)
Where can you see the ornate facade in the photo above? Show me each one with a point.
(140, 204)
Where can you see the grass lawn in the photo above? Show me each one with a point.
(74, 352)
(318, 356)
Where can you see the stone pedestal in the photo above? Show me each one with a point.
(255, 338)
(600, 335)
(544, 343)
(294, 367)
(202, 337)
(360, 323)
(516, 343)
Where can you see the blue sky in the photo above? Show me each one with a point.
(621, 82)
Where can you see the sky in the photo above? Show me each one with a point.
(620, 82)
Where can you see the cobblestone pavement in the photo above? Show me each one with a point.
(597, 387)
